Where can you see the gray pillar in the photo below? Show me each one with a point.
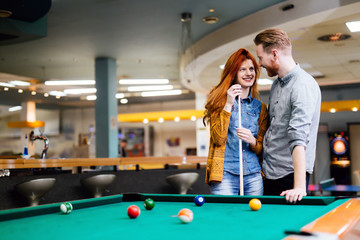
(106, 108)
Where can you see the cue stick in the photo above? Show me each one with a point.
(240, 153)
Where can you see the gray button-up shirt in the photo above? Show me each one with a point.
(294, 111)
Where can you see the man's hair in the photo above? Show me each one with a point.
(273, 38)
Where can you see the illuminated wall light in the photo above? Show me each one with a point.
(6, 89)
(16, 108)
(91, 97)
(145, 121)
(332, 110)
(33, 93)
(20, 91)
(119, 95)
(58, 97)
(354, 109)
(177, 119)
(46, 94)
(193, 118)
(161, 120)
(124, 101)
(143, 81)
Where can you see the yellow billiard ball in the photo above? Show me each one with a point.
(255, 204)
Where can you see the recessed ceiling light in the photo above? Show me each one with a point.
(332, 110)
(210, 19)
(91, 97)
(193, 118)
(19, 83)
(70, 82)
(146, 121)
(80, 91)
(20, 91)
(143, 81)
(353, 26)
(222, 66)
(150, 88)
(6, 89)
(161, 120)
(334, 37)
(161, 93)
(123, 101)
(354, 109)
(33, 93)
(177, 119)
(46, 94)
(16, 108)
(119, 95)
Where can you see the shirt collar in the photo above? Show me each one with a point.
(249, 99)
(285, 80)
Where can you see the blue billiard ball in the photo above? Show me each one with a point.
(199, 200)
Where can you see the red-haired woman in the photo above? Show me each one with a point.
(239, 78)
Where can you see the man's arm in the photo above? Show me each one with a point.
(299, 162)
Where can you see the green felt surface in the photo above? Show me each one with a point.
(109, 220)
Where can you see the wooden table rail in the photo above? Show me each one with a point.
(86, 162)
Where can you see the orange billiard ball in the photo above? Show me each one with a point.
(255, 204)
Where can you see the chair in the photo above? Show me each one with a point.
(33, 190)
(182, 181)
(98, 183)
(356, 177)
(326, 183)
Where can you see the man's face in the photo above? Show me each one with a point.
(267, 61)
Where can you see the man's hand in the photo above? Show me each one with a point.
(294, 195)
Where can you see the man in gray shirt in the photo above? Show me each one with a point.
(294, 111)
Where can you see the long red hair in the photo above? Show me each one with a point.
(217, 97)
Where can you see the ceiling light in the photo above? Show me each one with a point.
(222, 66)
(193, 118)
(57, 93)
(211, 10)
(161, 120)
(46, 94)
(16, 108)
(146, 121)
(119, 95)
(33, 93)
(177, 119)
(161, 93)
(143, 81)
(332, 110)
(264, 81)
(80, 91)
(91, 97)
(20, 91)
(354, 109)
(150, 88)
(210, 19)
(353, 26)
(58, 97)
(70, 82)
(334, 37)
(6, 89)
(19, 83)
(124, 101)
(6, 84)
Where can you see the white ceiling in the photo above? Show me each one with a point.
(145, 39)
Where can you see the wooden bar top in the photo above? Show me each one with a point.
(21, 163)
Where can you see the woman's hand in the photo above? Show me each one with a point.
(232, 92)
(246, 135)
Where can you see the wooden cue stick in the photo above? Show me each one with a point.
(240, 153)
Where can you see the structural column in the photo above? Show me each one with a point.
(106, 108)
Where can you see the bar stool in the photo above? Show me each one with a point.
(98, 183)
(33, 190)
(182, 181)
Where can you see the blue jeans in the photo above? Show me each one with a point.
(230, 185)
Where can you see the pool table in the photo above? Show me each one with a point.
(221, 217)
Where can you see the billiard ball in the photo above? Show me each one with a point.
(133, 211)
(149, 204)
(255, 204)
(66, 207)
(185, 215)
(199, 200)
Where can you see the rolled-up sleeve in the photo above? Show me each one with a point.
(303, 101)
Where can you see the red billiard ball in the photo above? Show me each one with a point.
(133, 211)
